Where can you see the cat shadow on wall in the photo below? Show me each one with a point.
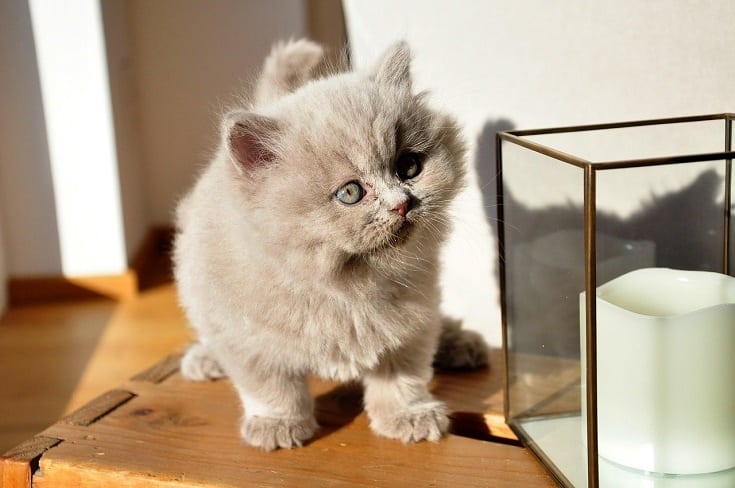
(486, 166)
(544, 249)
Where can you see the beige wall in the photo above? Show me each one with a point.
(191, 59)
(123, 94)
(26, 192)
(173, 65)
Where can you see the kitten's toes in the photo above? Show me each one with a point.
(199, 365)
(273, 433)
(425, 421)
(460, 348)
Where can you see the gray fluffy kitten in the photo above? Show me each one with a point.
(310, 245)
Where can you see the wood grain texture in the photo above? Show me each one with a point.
(17, 465)
(161, 370)
(138, 334)
(97, 408)
(43, 351)
(57, 355)
(175, 433)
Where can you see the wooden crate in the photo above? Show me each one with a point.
(160, 430)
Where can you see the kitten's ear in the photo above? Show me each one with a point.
(395, 66)
(250, 139)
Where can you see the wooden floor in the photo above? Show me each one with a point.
(55, 357)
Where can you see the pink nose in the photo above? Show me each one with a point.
(403, 208)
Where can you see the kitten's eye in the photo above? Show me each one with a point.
(350, 193)
(409, 165)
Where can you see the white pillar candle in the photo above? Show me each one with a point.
(666, 370)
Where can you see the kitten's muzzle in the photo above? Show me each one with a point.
(405, 222)
(403, 207)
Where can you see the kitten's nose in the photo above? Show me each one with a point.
(403, 207)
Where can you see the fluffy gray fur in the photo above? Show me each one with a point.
(282, 280)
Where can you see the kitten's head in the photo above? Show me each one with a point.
(350, 166)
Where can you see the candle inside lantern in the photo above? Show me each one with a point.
(666, 370)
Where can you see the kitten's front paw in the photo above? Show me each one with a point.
(199, 365)
(272, 433)
(425, 421)
(460, 348)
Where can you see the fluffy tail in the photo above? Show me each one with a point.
(288, 66)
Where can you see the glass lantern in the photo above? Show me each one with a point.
(587, 215)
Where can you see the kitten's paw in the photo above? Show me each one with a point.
(425, 421)
(272, 433)
(198, 364)
(460, 348)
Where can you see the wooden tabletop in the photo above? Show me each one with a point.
(160, 430)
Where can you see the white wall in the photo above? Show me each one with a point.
(72, 65)
(532, 63)
(26, 190)
(192, 58)
(81, 190)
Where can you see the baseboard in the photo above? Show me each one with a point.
(124, 286)
(23, 291)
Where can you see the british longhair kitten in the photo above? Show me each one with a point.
(310, 246)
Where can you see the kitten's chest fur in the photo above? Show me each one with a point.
(341, 329)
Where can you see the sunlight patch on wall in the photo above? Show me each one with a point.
(72, 66)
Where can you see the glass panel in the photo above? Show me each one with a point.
(667, 216)
(657, 216)
(543, 277)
